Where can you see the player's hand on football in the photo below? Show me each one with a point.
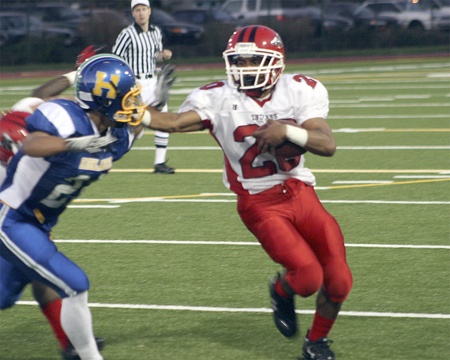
(270, 135)
(166, 79)
(89, 143)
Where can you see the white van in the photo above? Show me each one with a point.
(253, 9)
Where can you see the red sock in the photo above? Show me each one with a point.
(52, 312)
(280, 290)
(320, 328)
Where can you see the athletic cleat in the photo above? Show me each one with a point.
(163, 169)
(317, 350)
(283, 311)
(71, 354)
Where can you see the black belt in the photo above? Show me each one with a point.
(144, 76)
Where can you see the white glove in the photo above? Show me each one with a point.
(165, 82)
(89, 143)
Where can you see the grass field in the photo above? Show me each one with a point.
(175, 275)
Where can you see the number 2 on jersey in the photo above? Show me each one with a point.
(268, 167)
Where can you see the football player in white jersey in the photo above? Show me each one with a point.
(70, 145)
(276, 197)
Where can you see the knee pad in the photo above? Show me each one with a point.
(338, 284)
(305, 281)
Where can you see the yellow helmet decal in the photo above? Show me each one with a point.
(101, 84)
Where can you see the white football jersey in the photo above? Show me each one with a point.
(232, 117)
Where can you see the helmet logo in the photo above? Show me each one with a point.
(276, 41)
(101, 85)
(246, 48)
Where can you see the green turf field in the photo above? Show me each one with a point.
(176, 276)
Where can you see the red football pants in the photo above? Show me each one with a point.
(297, 232)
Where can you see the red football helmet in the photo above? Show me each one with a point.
(13, 131)
(254, 41)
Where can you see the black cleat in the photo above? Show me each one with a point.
(162, 168)
(317, 350)
(283, 311)
(71, 354)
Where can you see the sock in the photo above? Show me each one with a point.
(52, 311)
(161, 142)
(280, 290)
(320, 328)
(160, 155)
(76, 321)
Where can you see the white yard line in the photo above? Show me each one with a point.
(161, 199)
(238, 243)
(252, 310)
(216, 148)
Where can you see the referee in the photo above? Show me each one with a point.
(140, 45)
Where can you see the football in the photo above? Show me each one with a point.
(288, 149)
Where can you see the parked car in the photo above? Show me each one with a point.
(51, 14)
(205, 16)
(16, 26)
(174, 31)
(327, 21)
(445, 4)
(362, 17)
(412, 14)
(256, 9)
(270, 11)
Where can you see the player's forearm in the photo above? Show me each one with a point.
(42, 145)
(171, 122)
(321, 142)
(161, 121)
(54, 87)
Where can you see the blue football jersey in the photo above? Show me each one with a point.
(41, 188)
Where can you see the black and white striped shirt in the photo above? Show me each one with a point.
(139, 49)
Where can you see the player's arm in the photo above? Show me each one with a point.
(41, 144)
(171, 122)
(314, 135)
(55, 86)
(320, 137)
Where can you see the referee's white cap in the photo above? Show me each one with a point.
(139, 2)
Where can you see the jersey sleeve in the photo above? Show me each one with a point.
(311, 98)
(39, 122)
(198, 102)
(207, 101)
(61, 118)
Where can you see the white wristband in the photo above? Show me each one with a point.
(71, 77)
(296, 135)
(146, 118)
